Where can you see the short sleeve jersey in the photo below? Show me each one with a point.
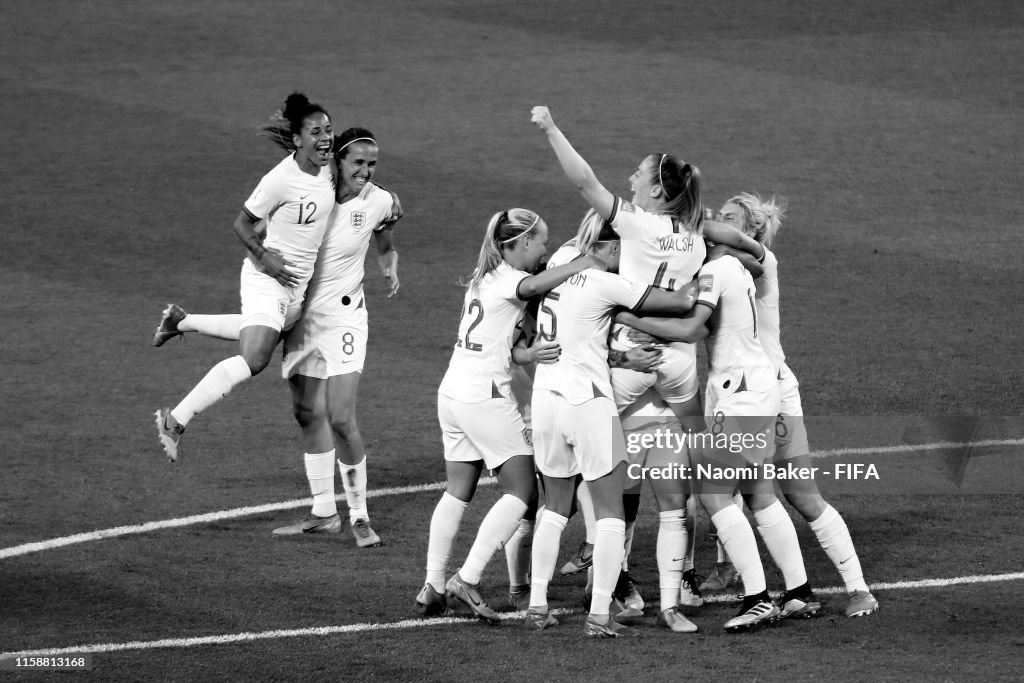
(655, 250)
(734, 344)
(577, 315)
(296, 206)
(480, 365)
(340, 267)
(767, 299)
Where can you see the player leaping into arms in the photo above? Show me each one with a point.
(761, 220)
(576, 426)
(480, 423)
(296, 197)
(325, 350)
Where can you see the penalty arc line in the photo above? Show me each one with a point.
(248, 637)
(114, 532)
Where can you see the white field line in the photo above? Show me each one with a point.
(37, 546)
(26, 548)
(249, 637)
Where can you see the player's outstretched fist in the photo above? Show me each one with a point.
(541, 115)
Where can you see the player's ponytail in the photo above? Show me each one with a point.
(503, 230)
(774, 210)
(287, 121)
(680, 186)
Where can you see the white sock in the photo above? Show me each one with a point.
(690, 523)
(444, 525)
(498, 525)
(219, 326)
(218, 383)
(671, 551)
(738, 541)
(353, 478)
(627, 545)
(586, 506)
(834, 537)
(609, 549)
(779, 535)
(320, 473)
(517, 553)
(546, 541)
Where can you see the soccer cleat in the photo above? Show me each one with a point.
(519, 597)
(626, 592)
(365, 536)
(468, 594)
(312, 525)
(610, 629)
(756, 611)
(721, 578)
(799, 603)
(689, 591)
(673, 620)
(169, 436)
(583, 559)
(538, 621)
(615, 607)
(430, 602)
(168, 327)
(861, 604)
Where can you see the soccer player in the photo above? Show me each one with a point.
(325, 350)
(663, 230)
(576, 425)
(650, 418)
(743, 398)
(296, 198)
(761, 219)
(480, 423)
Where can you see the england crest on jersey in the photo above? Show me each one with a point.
(358, 219)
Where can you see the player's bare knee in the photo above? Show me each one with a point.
(809, 505)
(307, 415)
(257, 360)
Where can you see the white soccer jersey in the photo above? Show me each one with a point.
(738, 362)
(479, 369)
(767, 300)
(577, 314)
(340, 266)
(296, 206)
(654, 249)
(564, 254)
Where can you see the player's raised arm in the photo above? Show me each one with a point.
(575, 166)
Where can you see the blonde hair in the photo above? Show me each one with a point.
(593, 229)
(761, 218)
(503, 230)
